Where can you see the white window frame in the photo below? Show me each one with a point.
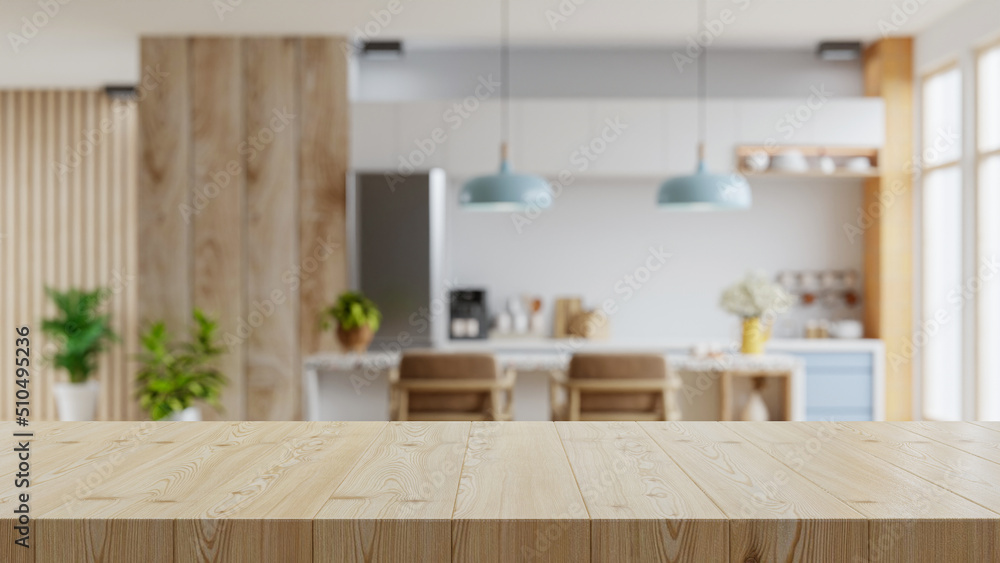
(926, 170)
(982, 412)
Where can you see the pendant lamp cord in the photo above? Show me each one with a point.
(504, 75)
(702, 80)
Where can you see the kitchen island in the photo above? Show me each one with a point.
(832, 379)
(483, 491)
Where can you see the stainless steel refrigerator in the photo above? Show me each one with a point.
(396, 245)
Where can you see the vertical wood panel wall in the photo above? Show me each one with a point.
(67, 219)
(249, 136)
(889, 243)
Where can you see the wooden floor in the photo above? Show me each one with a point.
(523, 491)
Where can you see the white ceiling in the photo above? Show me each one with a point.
(92, 33)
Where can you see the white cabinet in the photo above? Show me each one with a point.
(600, 137)
(473, 139)
(626, 137)
(852, 121)
(546, 134)
(421, 137)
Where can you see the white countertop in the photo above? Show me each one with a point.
(869, 345)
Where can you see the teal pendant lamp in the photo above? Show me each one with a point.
(505, 190)
(704, 191)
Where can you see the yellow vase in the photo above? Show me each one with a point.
(754, 336)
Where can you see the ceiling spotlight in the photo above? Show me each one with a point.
(382, 49)
(120, 91)
(839, 50)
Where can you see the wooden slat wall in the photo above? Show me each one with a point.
(256, 253)
(67, 192)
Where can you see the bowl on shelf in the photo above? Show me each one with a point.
(789, 161)
(858, 164)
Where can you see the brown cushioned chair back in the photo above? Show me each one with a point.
(618, 366)
(440, 365)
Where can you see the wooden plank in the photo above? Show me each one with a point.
(962, 473)
(273, 384)
(230, 492)
(218, 220)
(507, 508)
(396, 503)
(775, 513)
(164, 284)
(972, 438)
(265, 512)
(323, 162)
(910, 519)
(642, 506)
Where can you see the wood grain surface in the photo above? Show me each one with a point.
(518, 491)
(271, 107)
(218, 200)
(775, 513)
(249, 136)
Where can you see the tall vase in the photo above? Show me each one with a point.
(754, 336)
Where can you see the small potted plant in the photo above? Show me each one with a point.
(80, 332)
(174, 377)
(357, 319)
(757, 300)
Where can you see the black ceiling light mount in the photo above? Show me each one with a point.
(839, 50)
(382, 49)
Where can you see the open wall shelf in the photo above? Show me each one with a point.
(745, 155)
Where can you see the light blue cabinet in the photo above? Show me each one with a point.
(839, 386)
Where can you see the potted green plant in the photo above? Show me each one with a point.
(357, 319)
(80, 332)
(173, 377)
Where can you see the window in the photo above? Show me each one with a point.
(941, 329)
(988, 221)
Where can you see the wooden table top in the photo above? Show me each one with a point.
(484, 491)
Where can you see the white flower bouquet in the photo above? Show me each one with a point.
(756, 296)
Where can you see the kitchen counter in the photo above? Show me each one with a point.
(844, 379)
(776, 345)
(485, 491)
(355, 386)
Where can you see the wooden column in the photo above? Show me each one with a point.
(218, 215)
(888, 68)
(242, 202)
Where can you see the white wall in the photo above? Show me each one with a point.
(599, 231)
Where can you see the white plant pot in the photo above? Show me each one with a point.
(77, 401)
(190, 414)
